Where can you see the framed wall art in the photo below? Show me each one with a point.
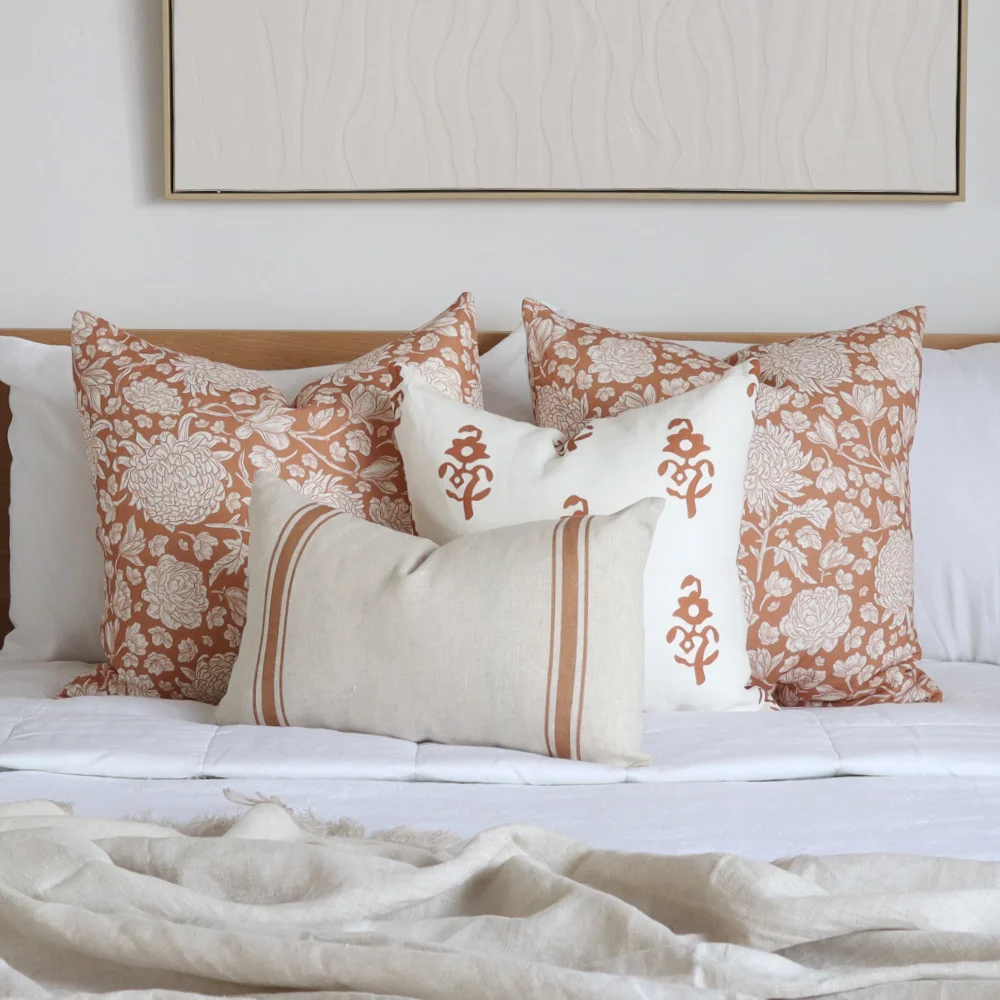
(859, 99)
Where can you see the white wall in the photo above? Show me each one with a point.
(83, 223)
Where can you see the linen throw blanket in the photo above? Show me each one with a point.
(96, 907)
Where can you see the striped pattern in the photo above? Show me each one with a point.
(568, 638)
(268, 690)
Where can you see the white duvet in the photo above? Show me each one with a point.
(150, 738)
(917, 779)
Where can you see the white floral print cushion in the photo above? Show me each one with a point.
(469, 472)
(174, 442)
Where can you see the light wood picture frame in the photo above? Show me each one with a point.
(873, 101)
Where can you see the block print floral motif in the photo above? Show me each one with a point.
(174, 441)
(827, 552)
(698, 642)
(689, 471)
(579, 372)
(467, 470)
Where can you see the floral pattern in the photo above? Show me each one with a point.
(579, 372)
(467, 470)
(695, 639)
(827, 550)
(175, 593)
(174, 442)
(173, 480)
(817, 620)
(621, 361)
(686, 465)
(826, 557)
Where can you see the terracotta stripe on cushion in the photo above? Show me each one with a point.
(569, 647)
(280, 666)
(585, 620)
(265, 616)
(553, 616)
(275, 603)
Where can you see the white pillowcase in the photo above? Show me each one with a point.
(469, 471)
(506, 379)
(56, 566)
(954, 489)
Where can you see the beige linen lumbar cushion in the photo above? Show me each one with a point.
(528, 637)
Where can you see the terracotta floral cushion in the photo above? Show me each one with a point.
(827, 550)
(826, 555)
(174, 442)
(580, 371)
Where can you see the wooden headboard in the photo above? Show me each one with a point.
(277, 349)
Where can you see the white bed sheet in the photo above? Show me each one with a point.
(932, 784)
(937, 817)
(150, 738)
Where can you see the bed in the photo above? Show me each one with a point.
(922, 779)
(87, 781)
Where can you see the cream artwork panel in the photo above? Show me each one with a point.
(575, 97)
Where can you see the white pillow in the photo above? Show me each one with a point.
(56, 566)
(505, 377)
(468, 471)
(955, 496)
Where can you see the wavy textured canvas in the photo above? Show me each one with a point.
(354, 96)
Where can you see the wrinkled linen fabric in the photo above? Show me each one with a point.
(93, 906)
